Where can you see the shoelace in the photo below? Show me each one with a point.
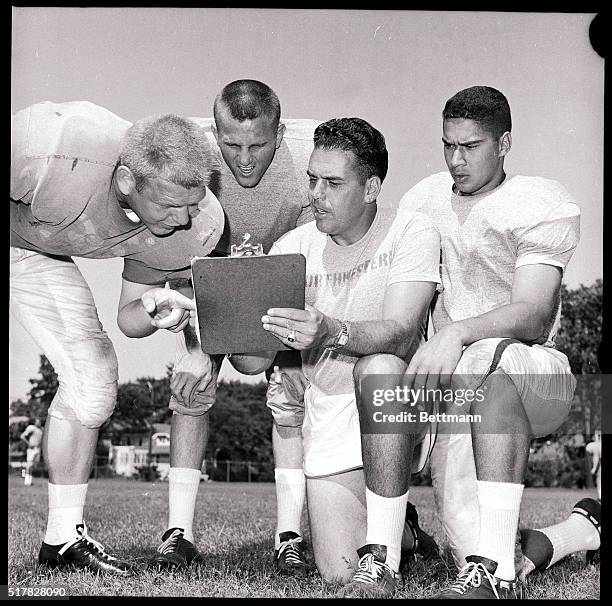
(83, 536)
(171, 542)
(291, 550)
(471, 574)
(370, 570)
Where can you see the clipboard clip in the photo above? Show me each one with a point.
(246, 249)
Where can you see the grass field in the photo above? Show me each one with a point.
(234, 527)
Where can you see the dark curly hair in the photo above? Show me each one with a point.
(359, 137)
(484, 105)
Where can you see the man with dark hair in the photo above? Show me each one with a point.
(86, 183)
(260, 181)
(506, 240)
(370, 277)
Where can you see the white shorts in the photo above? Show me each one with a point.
(331, 435)
(33, 454)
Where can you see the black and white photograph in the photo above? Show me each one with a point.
(306, 303)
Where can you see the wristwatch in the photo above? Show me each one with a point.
(341, 338)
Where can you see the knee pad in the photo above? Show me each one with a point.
(89, 394)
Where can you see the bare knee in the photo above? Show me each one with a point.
(378, 364)
(336, 570)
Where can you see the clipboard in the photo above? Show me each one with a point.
(233, 293)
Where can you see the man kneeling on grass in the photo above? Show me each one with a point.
(370, 276)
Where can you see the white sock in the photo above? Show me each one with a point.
(290, 499)
(183, 485)
(66, 504)
(574, 534)
(386, 518)
(500, 505)
(28, 479)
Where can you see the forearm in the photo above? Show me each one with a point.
(520, 320)
(134, 321)
(187, 339)
(380, 336)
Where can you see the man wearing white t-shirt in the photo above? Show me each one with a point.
(505, 243)
(370, 276)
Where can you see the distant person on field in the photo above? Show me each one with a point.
(32, 436)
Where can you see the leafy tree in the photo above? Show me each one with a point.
(41, 393)
(579, 338)
(241, 423)
(139, 405)
(580, 331)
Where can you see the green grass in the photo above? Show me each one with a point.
(234, 527)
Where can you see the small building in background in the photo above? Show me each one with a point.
(142, 448)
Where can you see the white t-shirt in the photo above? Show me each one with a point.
(485, 238)
(350, 282)
(33, 435)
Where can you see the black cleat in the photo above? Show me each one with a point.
(176, 551)
(424, 544)
(288, 558)
(591, 510)
(83, 552)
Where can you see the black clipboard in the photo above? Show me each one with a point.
(233, 293)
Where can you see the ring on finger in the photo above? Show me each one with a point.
(291, 337)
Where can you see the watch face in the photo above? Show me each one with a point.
(342, 340)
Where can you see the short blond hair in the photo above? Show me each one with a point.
(169, 147)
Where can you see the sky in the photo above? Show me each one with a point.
(395, 69)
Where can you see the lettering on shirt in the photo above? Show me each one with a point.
(318, 280)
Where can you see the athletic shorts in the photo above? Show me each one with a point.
(541, 375)
(331, 436)
(33, 454)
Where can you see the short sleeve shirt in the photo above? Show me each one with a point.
(350, 282)
(485, 238)
(63, 158)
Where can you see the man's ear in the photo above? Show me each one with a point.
(125, 180)
(280, 134)
(215, 132)
(372, 189)
(505, 144)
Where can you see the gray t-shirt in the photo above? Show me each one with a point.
(278, 203)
